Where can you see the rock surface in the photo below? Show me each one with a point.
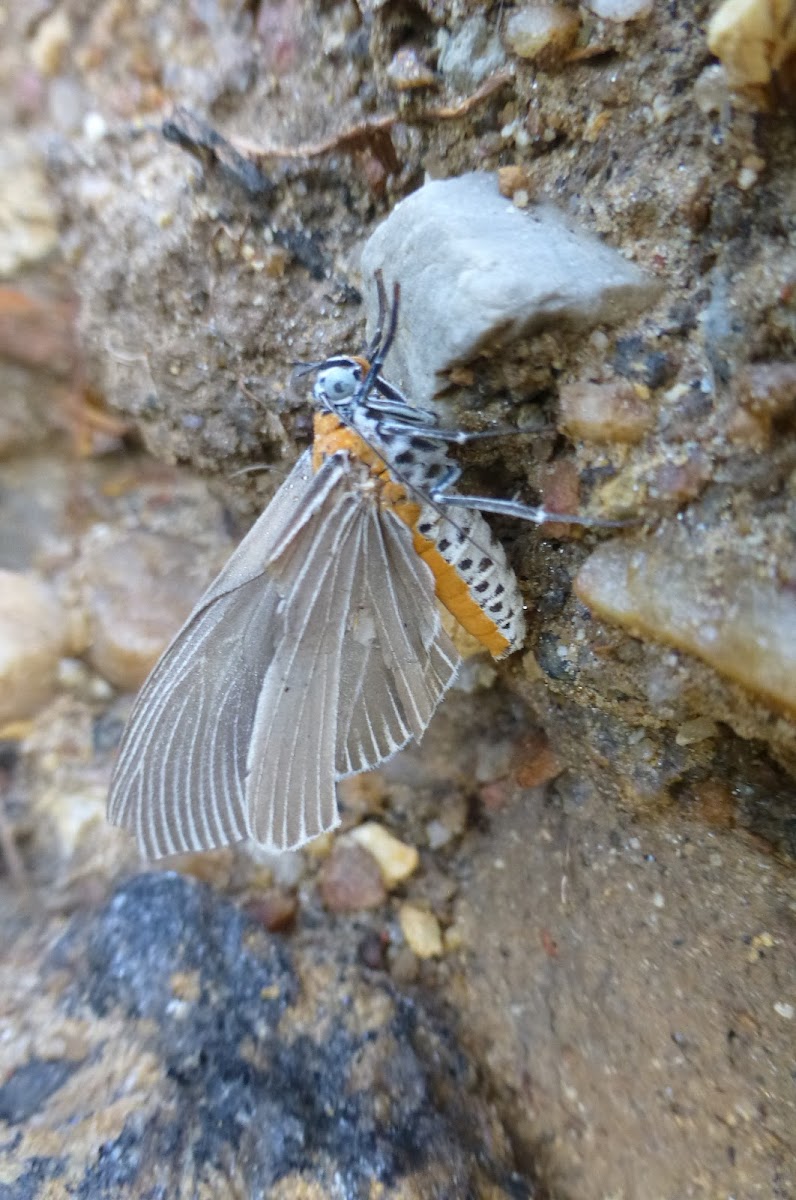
(476, 272)
(615, 939)
(169, 1046)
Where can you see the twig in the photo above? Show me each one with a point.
(374, 132)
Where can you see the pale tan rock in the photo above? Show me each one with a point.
(753, 38)
(421, 930)
(137, 590)
(397, 860)
(542, 32)
(48, 46)
(32, 637)
(28, 222)
(740, 623)
(604, 412)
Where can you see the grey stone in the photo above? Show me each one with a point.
(476, 271)
(469, 55)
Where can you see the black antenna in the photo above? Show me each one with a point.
(377, 361)
(375, 341)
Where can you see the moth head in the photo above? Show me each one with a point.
(337, 381)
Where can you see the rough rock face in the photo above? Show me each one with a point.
(170, 1047)
(606, 901)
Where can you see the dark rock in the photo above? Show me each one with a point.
(214, 1059)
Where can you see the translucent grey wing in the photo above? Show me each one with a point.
(179, 778)
(291, 767)
(399, 662)
(179, 781)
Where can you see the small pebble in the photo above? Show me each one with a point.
(560, 487)
(540, 765)
(32, 636)
(362, 795)
(407, 71)
(604, 412)
(48, 47)
(621, 10)
(510, 180)
(350, 879)
(453, 938)
(437, 835)
(397, 861)
(786, 1011)
(542, 32)
(94, 127)
(741, 623)
(275, 909)
(421, 930)
(697, 730)
(136, 589)
(495, 796)
(372, 950)
(211, 866)
(404, 965)
(753, 39)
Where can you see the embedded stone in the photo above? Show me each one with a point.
(476, 272)
(542, 32)
(738, 621)
(604, 412)
(32, 638)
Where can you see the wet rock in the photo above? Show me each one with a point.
(169, 1046)
(542, 32)
(397, 860)
(604, 412)
(32, 639)
(350, 879)
(476, 271)
(137, 591)
(726, 613)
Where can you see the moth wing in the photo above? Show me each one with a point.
(393, 680)
(363, 664)
(179, 781)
